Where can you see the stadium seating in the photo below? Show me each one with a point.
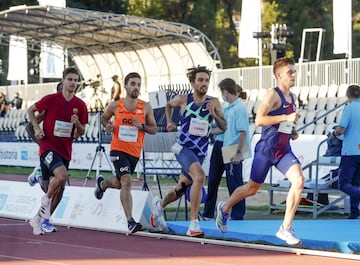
(313, 101)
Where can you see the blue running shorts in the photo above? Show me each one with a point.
(186, 158)
(262, 163)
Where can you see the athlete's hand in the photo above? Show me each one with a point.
(294, 135)
(137, 123)
(210, 106)
(294, 117)
(109, 126)
(74, 119)
(170, 127)
(39, 133)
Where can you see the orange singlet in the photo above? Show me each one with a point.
(126, 137)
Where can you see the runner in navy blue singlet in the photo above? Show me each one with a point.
(198, 111)
(277, 117)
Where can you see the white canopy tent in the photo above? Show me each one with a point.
(104, 44)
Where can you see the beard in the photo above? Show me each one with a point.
(201, 91)
(134, 94)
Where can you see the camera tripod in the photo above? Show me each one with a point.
(100, 153)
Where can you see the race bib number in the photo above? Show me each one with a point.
(128, 133)
(198, 127)
(286, 127)
(63, 129)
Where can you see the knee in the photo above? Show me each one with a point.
(125, 182)
(199, 180)
(62, 179)
(298, 183)
(252, 191)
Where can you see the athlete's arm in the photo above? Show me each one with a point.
(38, 132)
(270, 102)
(150, 125)
(79, 128)
(214, 107)
(177, 101)
(106, 116)
(30, 128)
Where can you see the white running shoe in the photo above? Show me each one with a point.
(34, 176)
(44, 211)
(288, 235)
(35, 223)
(158, 215)
(194, 229)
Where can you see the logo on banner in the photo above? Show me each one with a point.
(24, 155)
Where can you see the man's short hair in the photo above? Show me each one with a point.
(353, 91)
(191, 72)
(70, 70)
(282, 62)
(131, 75)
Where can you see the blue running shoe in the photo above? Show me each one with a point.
(47, 227)
(34, 176)
(221, 218)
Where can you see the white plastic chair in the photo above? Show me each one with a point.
(313, 91)
(331, 117)
(332, 90)
(309, 129)
(311, 105)
(318, 114)
(321, 103)
(323, 90)
(253, 94)
(319, 129)
(310, 116)
(331, 103)
(342, 90)
(304, 93)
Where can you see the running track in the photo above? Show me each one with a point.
(77, 246)
(71, 246)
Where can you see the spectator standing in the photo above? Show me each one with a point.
(17, 101)
(349, 127)
(2, 105)
(237, 133)
(116, 88)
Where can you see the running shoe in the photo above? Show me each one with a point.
(221, 218)
(98, 191)
(44, 211)
(35, 223)
(34, 176)
(194, 229)
(288, 235)
(134, 226)
(157, 216)
(47, 227)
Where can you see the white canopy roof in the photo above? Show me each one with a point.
(104, 44)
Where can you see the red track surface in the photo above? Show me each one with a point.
(78, 246)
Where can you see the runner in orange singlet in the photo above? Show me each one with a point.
(132, 119)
